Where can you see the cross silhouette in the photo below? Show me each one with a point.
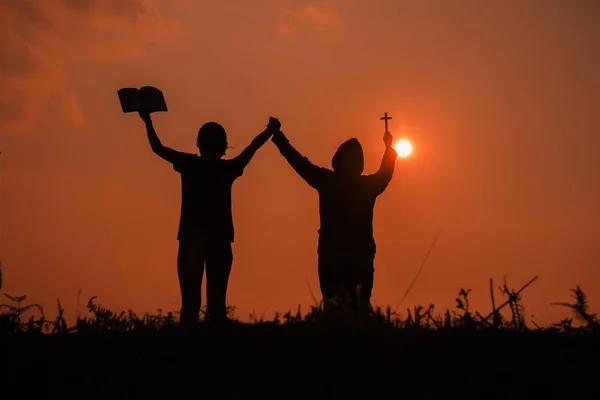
(385, 118)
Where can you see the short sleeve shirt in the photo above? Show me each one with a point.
(206, 196)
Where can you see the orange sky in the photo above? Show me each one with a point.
(501, 100)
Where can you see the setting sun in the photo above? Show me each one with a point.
(403, 147)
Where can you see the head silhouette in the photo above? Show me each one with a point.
(348, 159)
(212, 140)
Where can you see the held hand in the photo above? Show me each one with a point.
(274, 125)
(387, 139)
(145, 116)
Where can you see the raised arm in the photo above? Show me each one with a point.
(172, 156)
(383, 176)
(312, 174)
(246, 155)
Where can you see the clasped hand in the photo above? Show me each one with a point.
(274, 125)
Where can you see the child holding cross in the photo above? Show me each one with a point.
(346, 200)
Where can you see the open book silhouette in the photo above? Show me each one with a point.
(147, 98)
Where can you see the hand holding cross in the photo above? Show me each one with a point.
(385, 118)
(387, 136)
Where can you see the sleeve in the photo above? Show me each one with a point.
(236, 166)
(312, 174)
(183, 162)
(380, 180)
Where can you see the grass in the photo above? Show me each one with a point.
(419, 352)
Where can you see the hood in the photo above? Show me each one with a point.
(349, 159)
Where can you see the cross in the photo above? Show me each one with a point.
(385, 118)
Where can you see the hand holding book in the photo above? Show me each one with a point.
(147, 99)
(145, 116)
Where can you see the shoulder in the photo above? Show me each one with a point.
(231, 162)
(185, 161)
(323, 176)
(235, 164)
(186, 157)
(326, 171)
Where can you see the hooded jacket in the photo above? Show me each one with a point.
(346, 197)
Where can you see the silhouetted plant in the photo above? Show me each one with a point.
(13, 318)
(565, 325)
(516, 306)
(465, 319)
(293, 319)
(60, 325)
(580, 308)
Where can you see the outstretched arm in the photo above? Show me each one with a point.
(311, 173)
(383, 176)
(172, 156)
(247, 154)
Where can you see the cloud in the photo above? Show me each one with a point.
(297, 15)
(28, 79)
(37, 36)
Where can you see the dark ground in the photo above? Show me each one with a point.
(302, 361)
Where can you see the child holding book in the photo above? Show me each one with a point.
(206, 224)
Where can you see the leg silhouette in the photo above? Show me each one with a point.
(328, 281)
(346, 278)
(190, 268)
(361, 282)
(218, 267)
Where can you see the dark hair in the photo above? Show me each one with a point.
(212, 140)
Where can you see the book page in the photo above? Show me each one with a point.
(130, 99)
(152, 99)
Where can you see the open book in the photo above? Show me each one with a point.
(147, 98)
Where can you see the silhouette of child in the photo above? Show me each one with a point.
(206, 225)
(346, 200)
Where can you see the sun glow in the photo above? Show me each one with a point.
(403, 147)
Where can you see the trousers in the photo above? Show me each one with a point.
(193, 256)
(346, 277)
